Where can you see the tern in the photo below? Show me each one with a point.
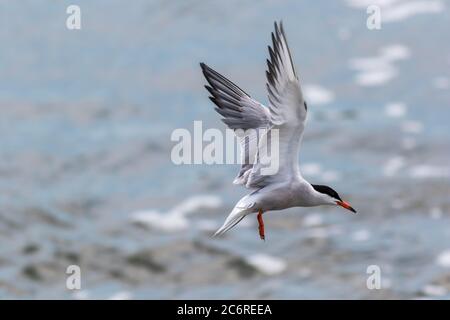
(286, 112)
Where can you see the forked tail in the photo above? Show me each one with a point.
(233, 219)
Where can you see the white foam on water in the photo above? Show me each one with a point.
(267, 264)
(375, 77)
(313, 220)
(409, 9)
(311, 169)
(160, 220)
(441, 83)
(176, 218)
(412, 126)
(436, 213)
(366, 3)
(392, 166)
(428, 171)
(316, 95)
(395, 52)
(197, 202)
(434, 290)
(378, 70)
(395, 109)
(361, 235)
(443, 259)
(123, 295)
(318, 233)
(399, 10)
(330, 176)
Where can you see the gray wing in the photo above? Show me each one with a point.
(246, 116)
(287, 114)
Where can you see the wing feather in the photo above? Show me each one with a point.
(239, 111)
(284, 119)
(287, 115)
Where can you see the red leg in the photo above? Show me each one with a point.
(261, 225)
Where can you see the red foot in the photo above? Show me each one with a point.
(261, 225)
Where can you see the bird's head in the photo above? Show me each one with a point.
(331, 197)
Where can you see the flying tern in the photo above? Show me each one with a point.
(286, 113)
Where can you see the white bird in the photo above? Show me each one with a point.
(286, 114)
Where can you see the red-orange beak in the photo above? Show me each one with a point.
(345, 205)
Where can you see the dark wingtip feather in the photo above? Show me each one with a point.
(271, 53)
(270, 78)
(282, 31)
(220, 111)
(214, 100)
(270, 66)
(210, 90)
(204, 70)
(277, 30)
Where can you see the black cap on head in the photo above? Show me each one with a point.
(326, 190)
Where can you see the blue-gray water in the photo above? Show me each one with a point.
(86, 119)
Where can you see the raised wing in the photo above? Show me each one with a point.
(287, 115)
(285, 96)
(241, 113)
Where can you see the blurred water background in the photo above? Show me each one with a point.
(86, 176)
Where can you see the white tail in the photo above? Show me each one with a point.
(239, 212)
